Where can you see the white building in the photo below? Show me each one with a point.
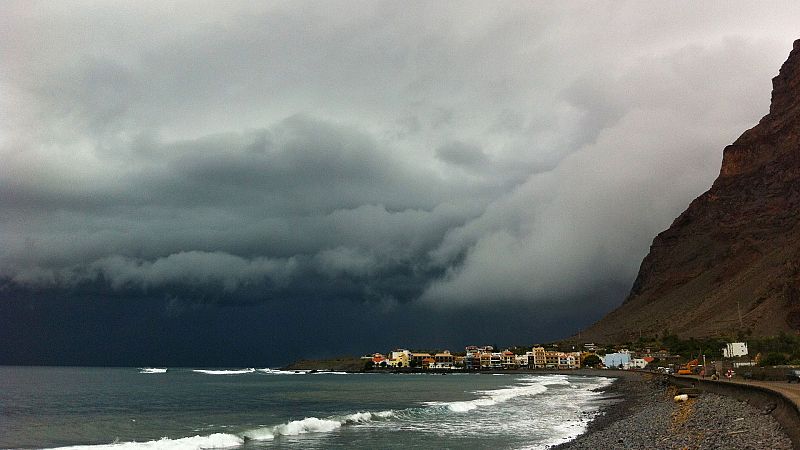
(569, 360)
(399, 358)
(734, 349)
(635, 363)
(618, 359)
(496, 360)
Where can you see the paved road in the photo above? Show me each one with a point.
(790, 390)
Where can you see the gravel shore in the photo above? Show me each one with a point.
(646, 417)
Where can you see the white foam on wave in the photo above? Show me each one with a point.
(303, 372)
(224, 372)
(583, 401)
(225, 440)
(531, 386)
(152, 370)
(314, 425)
(216, 440)
(283, 372)
(552, 379)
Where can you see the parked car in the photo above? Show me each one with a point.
(793, 375)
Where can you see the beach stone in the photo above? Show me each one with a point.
(648, 418)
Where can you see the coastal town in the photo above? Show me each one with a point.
(737, 355)
(487, 358)
(689, 357)
(475, 358)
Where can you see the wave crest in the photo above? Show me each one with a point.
(224, 372)
(314, 425)
(216, 440)
(531, 386)
(284, 372)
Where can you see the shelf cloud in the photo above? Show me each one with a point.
(418, 156)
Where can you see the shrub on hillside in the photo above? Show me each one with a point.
(773, 359)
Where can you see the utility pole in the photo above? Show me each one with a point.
(739, 311)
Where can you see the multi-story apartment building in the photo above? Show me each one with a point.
(569, 360)
(536, 358)
(539, 358)
(551, 359)
(443, 360)
(508, 360)
(418, 358)
(486, 360)
(472, 360)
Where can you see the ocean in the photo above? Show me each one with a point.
(124, 408)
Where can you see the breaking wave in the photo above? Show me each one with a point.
(418, 418)
(152, 370)
(283, 372)
(216, 440)
(529, 387)
(225, 440)
(304, 372)
(314, 425)
(224, 372)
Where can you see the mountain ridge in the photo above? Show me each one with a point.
(730, 263)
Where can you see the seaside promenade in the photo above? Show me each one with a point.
(789, 390)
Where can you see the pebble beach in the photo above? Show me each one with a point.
(647, 417)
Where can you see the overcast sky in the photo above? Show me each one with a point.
(396, 168)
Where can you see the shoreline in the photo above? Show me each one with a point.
(624, 389)
(648, 418)
(637, 411)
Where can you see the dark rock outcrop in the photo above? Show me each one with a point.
(731, 262)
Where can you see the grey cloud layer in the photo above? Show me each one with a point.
(449, 153)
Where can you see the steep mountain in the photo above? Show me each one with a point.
(731, 262)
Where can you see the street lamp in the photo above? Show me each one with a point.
(705, 369)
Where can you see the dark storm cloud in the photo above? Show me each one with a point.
(463, 154)
(409, 156)
(318, 200)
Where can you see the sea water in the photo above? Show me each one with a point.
(129, 408)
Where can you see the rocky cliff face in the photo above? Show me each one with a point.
(731, 262)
